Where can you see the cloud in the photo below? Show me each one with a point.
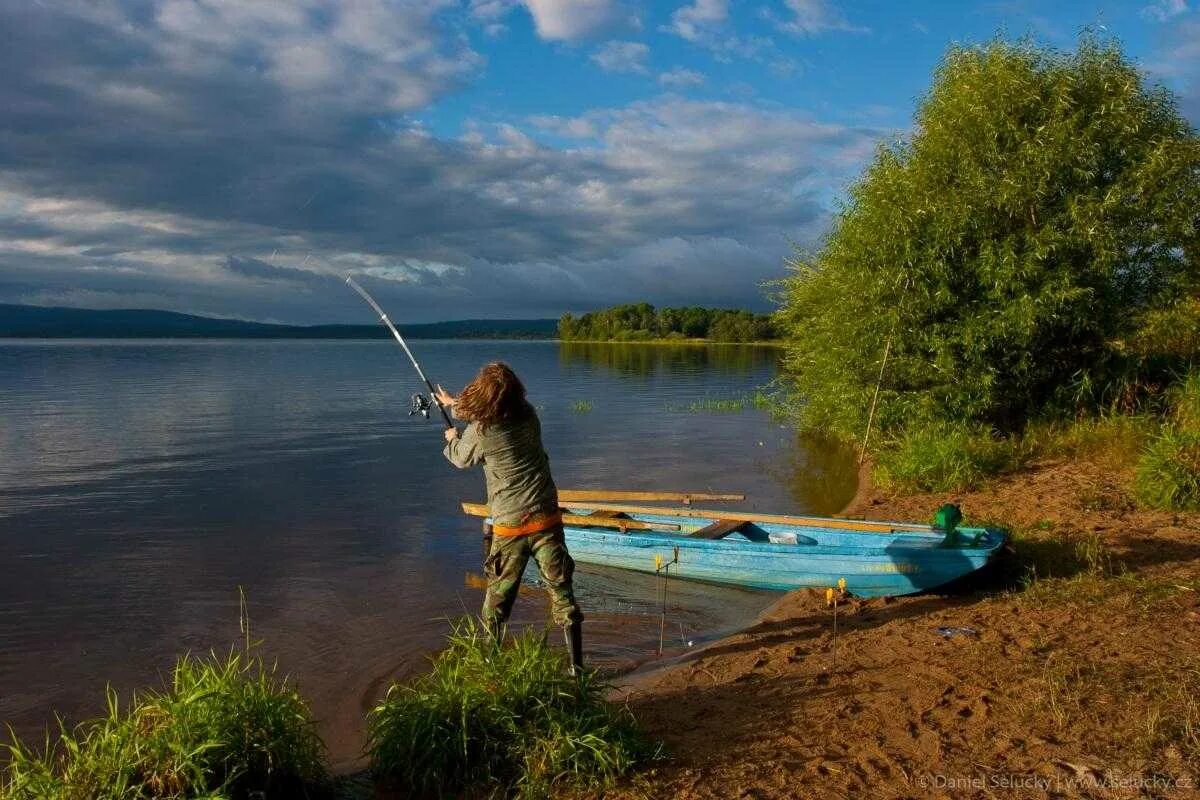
(704, 23)
(680, 78)
(622, 57)
(812, 17)
(570, 20)
(699, 19)
(1164, 10)
(1177, 61)
(166, 151)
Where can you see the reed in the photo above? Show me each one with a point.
(581, 406)
(505, 720)
(724, 405)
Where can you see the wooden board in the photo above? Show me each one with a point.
(865, 526)
(602, 495)
(719, 529)
(587, 520)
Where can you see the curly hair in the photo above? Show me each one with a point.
(496, 395)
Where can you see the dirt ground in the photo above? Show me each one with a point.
(1084, 682)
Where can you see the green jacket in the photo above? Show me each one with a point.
(515, 466)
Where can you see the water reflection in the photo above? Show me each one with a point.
(646, 359)
(819, 473)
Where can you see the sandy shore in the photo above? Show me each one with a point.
(1086, 685)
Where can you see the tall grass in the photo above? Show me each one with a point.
(1114, 439)
(1184, 402)
(1168, 473)
(942, 458)
(224, 727)
(500, 720)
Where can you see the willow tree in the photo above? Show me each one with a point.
(1006, 253)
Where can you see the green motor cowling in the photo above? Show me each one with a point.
(947, 519)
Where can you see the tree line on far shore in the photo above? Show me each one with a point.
(642, 322)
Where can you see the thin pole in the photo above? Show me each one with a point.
(384, 318)
(887, 348)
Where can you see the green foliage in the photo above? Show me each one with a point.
(223, 728)
(1168, 474)
(1041, 218)
(581, 406)
(501, 720)
(1113, 439)
(1184, 402)
(641, 322)
(943, 457)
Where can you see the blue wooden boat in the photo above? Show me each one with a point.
(775, 552)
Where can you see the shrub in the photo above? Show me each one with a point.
(1038, 218)
(222, 728)
(1168, 473)
(508, 720)
(941, 458)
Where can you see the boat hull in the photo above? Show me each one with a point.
(873, 564)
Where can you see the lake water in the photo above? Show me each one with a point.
(142, 483)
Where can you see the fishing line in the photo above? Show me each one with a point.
(887, 349)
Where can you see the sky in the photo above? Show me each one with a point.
(481, 158)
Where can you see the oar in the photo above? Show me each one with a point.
(602, 495)
(586, 520)
(866, 526)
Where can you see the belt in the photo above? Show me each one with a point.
(530, 525)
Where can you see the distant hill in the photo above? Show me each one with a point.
(38, 322)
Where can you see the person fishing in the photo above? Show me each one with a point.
(504, 435)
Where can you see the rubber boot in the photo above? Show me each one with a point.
(573, 634)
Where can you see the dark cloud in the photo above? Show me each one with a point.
(208, 155)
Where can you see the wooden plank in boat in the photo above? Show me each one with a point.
(618, 495)
(587, 520)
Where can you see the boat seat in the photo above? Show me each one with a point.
(719, 529)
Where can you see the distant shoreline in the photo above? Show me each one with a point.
(42, 322)
(224, 337)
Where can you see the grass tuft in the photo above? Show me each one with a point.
(1168, 473)
(223, 728)
(1184, 402)
(725, 405)
(503, 720)
(581, 406)
(942, 458)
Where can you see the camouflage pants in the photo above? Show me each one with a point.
(505, 564)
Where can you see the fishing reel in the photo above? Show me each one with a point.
(420, 404)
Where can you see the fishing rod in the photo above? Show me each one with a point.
(420, 404)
